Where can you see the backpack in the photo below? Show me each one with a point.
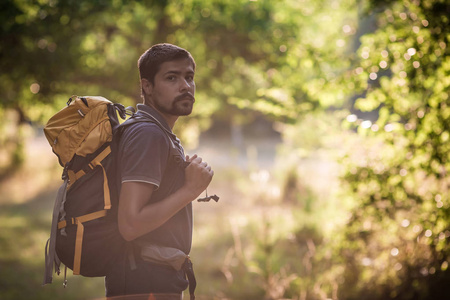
(84, 233)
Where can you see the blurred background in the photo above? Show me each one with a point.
(327, 123)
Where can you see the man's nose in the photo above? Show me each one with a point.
(185, 85)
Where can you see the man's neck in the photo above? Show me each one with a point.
(170, 119)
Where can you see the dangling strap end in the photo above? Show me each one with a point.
(189, 270)
(65, 277)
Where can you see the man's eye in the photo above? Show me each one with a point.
(171, 78)
(190, 78)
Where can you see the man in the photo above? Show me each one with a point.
(156, 190)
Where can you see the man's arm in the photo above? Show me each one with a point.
(137, 217)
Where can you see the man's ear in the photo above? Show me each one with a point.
(147, 87)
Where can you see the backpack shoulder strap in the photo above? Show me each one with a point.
(174, 153)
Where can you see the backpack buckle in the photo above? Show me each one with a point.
(65, 174)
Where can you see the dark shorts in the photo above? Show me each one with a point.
(145, 279)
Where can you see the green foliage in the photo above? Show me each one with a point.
(400, 176)
(246, 51)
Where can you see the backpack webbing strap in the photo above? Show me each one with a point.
(50, 251)
(84, 218)
(74, 176)
(80, 232)
(95, 162)
(106, 195)
(79, 238)
(189, 271)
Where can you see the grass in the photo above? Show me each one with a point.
(26, 203)
(25, 229)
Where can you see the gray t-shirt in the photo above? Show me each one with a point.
(144, 156)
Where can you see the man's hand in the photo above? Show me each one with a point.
(198, 175)
(137, 217)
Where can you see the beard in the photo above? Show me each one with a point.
(181, 106)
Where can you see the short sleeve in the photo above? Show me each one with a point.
(144, 154)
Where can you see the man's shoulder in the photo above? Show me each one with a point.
(142, 127)
(142, 132)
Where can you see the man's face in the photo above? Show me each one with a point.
(173, 90)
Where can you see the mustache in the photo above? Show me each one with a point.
(185, 96)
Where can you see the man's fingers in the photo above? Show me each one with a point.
(190, 159)
(197, 161)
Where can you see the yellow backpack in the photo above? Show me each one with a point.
(83, 237)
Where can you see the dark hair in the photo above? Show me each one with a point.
(151, 60)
